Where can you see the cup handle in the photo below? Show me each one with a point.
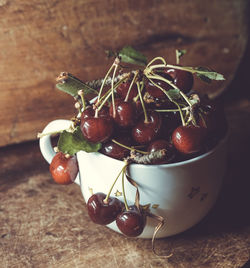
(45, 141)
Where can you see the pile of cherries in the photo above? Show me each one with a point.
(140, 113)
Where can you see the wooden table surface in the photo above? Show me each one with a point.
(46, 225)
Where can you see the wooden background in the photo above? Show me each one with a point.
(40, 38)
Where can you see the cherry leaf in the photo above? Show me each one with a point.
(206, 75)
(174, 94)
(69, 84)
(181, 52)
(130, 55)
(71, 143)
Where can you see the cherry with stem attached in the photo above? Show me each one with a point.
(131, 221)
(64, 168)
(103, 209)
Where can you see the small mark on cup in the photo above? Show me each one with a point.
(194, 191)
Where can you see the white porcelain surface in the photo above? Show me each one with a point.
(184, 192)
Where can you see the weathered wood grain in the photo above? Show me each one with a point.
(40, 38)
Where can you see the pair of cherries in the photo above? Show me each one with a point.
(104, 211)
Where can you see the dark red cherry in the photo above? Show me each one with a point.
(213, 119)
(170, 121)
(156, 92)
(132, 222)
(182, 79)
(64, 169)
(89, 112)
(97, 129)
(101, 212)
(159, 145)
(189, 139)
(116, 151)
(122, 90)
(144, 133)
(125, 115)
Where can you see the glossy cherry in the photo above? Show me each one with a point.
(163, 144)
(145, 132)
(97, 129)
(189, 139)
(101, 212)
(116, 151)
(131, 222)
(182, 79)
(125, 113)
(64, 169)
(156, 92)
(89, 112)
(123, 88)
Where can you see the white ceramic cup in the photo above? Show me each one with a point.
(182, 193)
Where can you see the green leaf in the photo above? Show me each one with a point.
(207, 75)
(130, 55)
(71, 143)
(180, 53)
(71, 85)
(174, 94)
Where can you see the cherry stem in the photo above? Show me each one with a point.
(172, 110)
(81, 93)
(127, 147)
(142, 102)
(177, 57)
(158, 77)
(107, 95)
(105, 100)
(103, 83)
(191, 70)
(169, 97)
(155, 59)
(137, 195)
(123, 188)
(130, 86)
(112, 90)
(109, 193)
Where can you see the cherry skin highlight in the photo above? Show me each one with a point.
(145, 132)
(123, 88)
(64, 169)
(132, 222)
(101, 212)
(156, 92)
(182, 79)
(116, 151)
(189, 139)
(97, 129)
(125, 113)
